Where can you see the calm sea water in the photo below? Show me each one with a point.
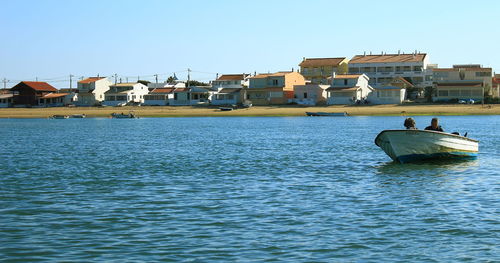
(242, 190)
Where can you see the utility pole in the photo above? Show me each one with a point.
(5, 83)
(126, 79)
(156, 78)
(70, 82)
(189, 77)
(116, 76)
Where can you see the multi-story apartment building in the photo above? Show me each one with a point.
(273, 88)
(318, 70)
(383, 68)
(470, 81)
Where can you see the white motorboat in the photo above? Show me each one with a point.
(412, 145)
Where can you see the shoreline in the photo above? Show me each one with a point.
(257, 111)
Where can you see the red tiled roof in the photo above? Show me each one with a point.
(163, 90)
(495, 80)
(181, 89)
(318, 62)
(54, 95)
(90, 80)
(37, 85)
(233, 77)
(388, 58)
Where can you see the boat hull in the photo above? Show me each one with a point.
(325, 114)
(413, 145)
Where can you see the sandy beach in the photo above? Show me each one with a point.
(188, 111)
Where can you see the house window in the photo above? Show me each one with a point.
(483, 74)
(275, 82)
(305, 95)
(345, 82)
(443, 93)
(175, 96)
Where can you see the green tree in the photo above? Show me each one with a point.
(429, 92)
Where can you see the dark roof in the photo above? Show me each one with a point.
(342, 88)
(459, 84)
(36, 85)
(229, 90)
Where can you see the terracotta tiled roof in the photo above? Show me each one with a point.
(388, 58)
(348, 76)
(495, 80)
(233, 77)
(163, 90)
(181, 89)
(318, 62)
(38, 86)
(90, 80)
(54, 95)
(265, 75)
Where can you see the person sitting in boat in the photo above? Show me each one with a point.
(410, 124)
(434, 126)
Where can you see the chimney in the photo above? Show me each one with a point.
(97, 74)
(217, 76)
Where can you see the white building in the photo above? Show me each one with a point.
(91, 91)
(381, 69)
(231, 81)
(125, 93)
(310, 94)
(348, 89)
(393, 93)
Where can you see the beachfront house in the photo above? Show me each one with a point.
(309, 94)
(348, 89)
(195, 95)
(462, 82)
(317, 70)
(56, 99)
(227, 96)
(125, 94)
(382, 68)
(394, 92)
(273, 88)
(91, 91)
(6, 100)
(495, 85)
(231, 81)
(159, 97)
(27, 93)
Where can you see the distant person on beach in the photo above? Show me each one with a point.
(434, 126)
(410, 124)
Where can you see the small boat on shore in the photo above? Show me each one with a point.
(59, 117)
(414, 145)
(78, 116)
(130, 115)
(225, 108)
(336, 114)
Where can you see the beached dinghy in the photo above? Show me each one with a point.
(337, 114)
(412, 145)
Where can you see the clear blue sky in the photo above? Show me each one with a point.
(51, 39)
